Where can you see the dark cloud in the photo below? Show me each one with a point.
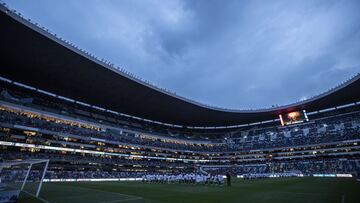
(231, 54)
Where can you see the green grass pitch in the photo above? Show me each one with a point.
(293, 190)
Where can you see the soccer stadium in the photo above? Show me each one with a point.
(76, 128)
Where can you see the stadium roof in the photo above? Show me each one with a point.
(33, 56)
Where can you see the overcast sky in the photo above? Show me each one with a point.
(231, 54)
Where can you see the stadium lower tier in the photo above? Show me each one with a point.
(84, 166)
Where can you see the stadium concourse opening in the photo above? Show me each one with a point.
(69, 143)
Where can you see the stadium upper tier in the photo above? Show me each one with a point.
(33, 56)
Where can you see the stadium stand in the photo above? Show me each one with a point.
(84, 141)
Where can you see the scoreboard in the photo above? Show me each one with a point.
(293, 117)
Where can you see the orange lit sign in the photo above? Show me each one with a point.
(293, 117)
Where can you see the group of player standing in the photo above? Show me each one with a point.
(191, 178)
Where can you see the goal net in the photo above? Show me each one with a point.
(21, 176)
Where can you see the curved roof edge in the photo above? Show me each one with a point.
(204, 108)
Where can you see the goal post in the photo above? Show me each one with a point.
(22, 175)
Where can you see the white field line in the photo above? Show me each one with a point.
(342, 198)
(108, 192)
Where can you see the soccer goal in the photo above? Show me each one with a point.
(21, 176)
